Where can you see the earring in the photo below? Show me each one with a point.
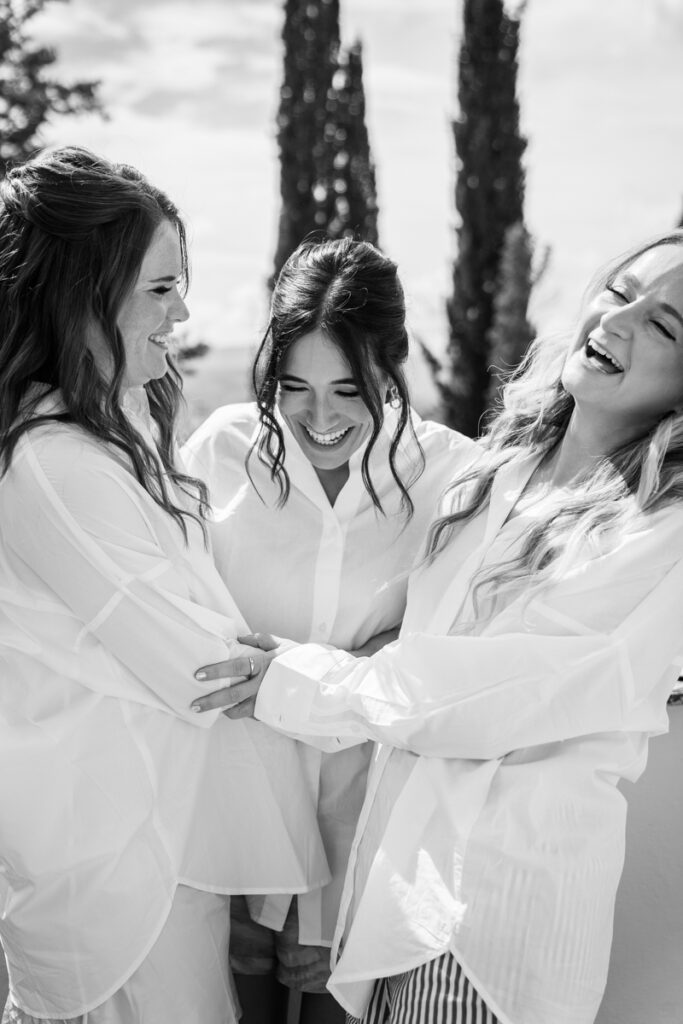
(393, 396)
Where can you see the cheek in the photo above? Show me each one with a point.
(139, 319)
(289, 404)
(129, 325)
(661, 384)
(362, 418)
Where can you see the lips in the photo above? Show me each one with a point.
(601, 358)
(162, 340)
(327, 439)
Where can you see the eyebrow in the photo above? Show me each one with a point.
(672, 311)
(301, 380)
(159, 280)
(664, 306)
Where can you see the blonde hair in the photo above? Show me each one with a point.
(637, 479)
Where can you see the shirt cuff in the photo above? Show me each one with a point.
(291, 684)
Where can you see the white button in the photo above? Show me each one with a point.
(322, 627)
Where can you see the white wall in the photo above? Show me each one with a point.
(645, 984)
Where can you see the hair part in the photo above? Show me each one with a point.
(349, 290)
(74, 229)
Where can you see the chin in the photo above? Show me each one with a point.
(158, 374)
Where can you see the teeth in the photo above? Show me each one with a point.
(593, 346)
(160, 339)
(329, 438)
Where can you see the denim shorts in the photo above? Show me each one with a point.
(256, 949)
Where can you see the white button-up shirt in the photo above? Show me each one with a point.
(111, 790)
(493, 826)
(311, 571)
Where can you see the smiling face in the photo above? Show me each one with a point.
(320, 403)
(625, 369)
(153, 307)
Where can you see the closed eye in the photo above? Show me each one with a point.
(617, 292)
(161, 290)
(663, 330)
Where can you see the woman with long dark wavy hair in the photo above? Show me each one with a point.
(541, 640)
(316, 545)
(124, 820)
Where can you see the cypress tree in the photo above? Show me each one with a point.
(311, 46)
(28, 92)
(327, 178)
(489, 198)
(354, 171)
(511, 331)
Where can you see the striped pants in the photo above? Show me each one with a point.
(434, 993)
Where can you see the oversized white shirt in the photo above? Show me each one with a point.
(111, 790)
(493, 826)
(312, 571)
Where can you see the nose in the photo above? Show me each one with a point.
(619, 320)
(178, 311)
(320, 415)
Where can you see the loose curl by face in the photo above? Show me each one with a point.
(634, 480)
(351, 292)
(74, 229)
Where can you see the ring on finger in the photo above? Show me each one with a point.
(252, 668)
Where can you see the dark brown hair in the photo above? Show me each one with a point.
(74, 229)
(351, 291)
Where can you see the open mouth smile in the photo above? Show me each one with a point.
(161, 340)
(331, 437)
(601, 359)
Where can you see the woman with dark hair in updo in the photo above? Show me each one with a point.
(344, 479)
(124, 821)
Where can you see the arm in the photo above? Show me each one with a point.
(376, 643)
(483, 696)
(82, 527)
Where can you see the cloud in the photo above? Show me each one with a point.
(198, 59)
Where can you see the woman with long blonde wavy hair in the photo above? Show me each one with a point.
(541, 640)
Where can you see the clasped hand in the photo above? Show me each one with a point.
(246, 669)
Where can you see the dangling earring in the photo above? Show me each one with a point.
(393, 396)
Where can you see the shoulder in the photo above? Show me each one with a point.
(228, 424)
(225, 436)
(656, 537)
(60, 449)
(58, 468)
(441, 442)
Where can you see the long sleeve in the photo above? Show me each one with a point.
(90, 535)
(483, 696)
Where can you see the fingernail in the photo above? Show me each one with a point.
(200, 675)
(196, 708)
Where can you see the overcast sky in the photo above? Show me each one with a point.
(191, 89)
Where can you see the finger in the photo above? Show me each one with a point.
(222, 698)
(245, 709)
(232, 669)
(263, 641)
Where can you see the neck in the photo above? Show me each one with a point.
(332, 480)
(578, 451)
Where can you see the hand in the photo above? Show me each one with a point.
(376, 643)
(248, 669)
